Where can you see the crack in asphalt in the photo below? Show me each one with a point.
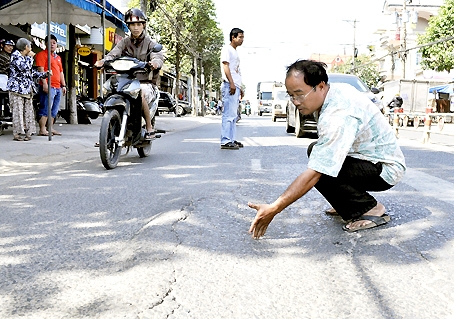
(186, 211)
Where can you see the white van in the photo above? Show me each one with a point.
(279, 103)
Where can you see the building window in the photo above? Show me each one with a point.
(418, 58)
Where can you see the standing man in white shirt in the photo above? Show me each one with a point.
(231, 89)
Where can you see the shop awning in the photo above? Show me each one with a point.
(14, 30)
(83, 12)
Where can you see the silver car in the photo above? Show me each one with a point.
(302, 125)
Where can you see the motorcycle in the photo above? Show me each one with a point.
(211, 110)
(122, 124)
(5, 114)
(395, 106)
(248, 109)
(87, 108)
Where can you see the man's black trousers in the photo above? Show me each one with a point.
(348, 192)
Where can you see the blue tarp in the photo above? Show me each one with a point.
(445, 88)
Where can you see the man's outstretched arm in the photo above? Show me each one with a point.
(266, 212)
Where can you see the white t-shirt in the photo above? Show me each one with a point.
(230, 55)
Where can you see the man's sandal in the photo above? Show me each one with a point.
(375, 221)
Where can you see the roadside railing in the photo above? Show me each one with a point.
(424, 120)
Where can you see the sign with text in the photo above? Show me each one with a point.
(59, 30)
(111, 38)
(84, 51)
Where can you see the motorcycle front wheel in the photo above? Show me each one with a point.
(108, 139)
(144, 151)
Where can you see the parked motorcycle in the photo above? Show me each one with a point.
(122, 125)
(87, 108)
(5, 114)
(211, 110)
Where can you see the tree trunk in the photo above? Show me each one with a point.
(195, 99)
(177, 71)
(143, 6)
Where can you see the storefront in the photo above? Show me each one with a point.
(65, 16)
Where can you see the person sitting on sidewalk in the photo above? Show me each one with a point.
(356, 151)
(6, 48)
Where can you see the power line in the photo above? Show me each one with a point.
(406, 50)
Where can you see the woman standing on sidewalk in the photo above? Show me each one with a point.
(20, 87)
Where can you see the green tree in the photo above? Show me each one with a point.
(188, 31)
(365, 69)
(439, 56)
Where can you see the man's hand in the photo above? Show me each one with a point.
(232, 89)
(153, 64)
(265, 214)
(99, 63)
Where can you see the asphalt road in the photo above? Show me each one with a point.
(166, 236)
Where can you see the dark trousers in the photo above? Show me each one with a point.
(347, 193)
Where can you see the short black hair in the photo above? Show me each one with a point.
(314, 72)
(234, 33)
(52, 37)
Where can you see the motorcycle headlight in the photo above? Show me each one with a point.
(123, 65)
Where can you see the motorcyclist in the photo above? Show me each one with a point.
(7, 47)
(139, 45)
(248, 108)
(395, 106)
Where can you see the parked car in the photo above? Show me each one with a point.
(302, 125)
(184, 108)
(166, 103)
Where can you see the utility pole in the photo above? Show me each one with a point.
(404, 42)
(103, 30)
(353, 23)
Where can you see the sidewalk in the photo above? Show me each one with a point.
(447, 128)
(76, 138)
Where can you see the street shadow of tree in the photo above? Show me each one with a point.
(73, 248)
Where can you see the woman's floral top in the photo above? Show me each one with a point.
(22, 74)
